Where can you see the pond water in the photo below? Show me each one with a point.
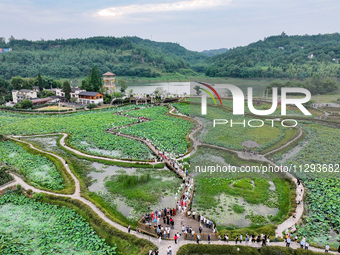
(227, 217)
(184, 87)
(48, 143)
(293, 152)
(104, 171)
(150, 87)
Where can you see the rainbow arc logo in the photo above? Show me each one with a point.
(209, 93)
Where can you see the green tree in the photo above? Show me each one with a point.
(40, 82)
(309, 103)
(130, 92)
(86, 84)
(4, 84)
(67, 89)
(28, 83)
(117, 94)
(45, 93)
(123, 85)
(17, 82)
(198, 90)
(96, 79)
(25, 104)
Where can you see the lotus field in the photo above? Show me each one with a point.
(323, 193)
(87, 130)
(165, 132)
(290, 111)
(30, 227)
(231, 137)
(37, 169)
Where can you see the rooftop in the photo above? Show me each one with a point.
(108, 73)
(40, 100)
(84, 93)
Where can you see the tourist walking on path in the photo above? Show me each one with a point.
(288, 241)
(327, 248)
(236, 239)
(129, 229)
(307, 245)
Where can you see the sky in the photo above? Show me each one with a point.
(195, 24)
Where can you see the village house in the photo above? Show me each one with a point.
(90, 97)
(19, 95)
(74, 93)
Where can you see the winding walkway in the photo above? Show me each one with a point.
(164, 244)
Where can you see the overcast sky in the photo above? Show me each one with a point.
(195, 24)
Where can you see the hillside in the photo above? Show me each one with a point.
(214, 52)
(74, 57)
(169, 48)
(280, 57)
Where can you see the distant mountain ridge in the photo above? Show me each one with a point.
(214, 52)
(280, 56)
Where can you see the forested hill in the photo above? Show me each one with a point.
(280, 56)
(214, 52)
(74, 57)
(170, 48)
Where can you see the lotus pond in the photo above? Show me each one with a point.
(87, 130)
(321, 145)
(131, 191)
(231, 137)
(40, 171)
(30, 227)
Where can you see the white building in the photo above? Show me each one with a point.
(74, 94)
(19, 95)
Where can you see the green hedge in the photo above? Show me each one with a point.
(191, 249)
(103, 229)
(216, 249)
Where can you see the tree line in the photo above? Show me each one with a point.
(74, 57)
(280, 56)
(315, 85)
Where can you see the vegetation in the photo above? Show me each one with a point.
(280, 56)
(4, 175)
(323, 189)
(90, 138)
(24, 104)
(55, 230)
(91, 106)
(233, 250)
(315, 85)
(224, 135)
(37, 169)
(92, 82)
(67, 89)
(142, 190)
(74, 58)
(165, 132)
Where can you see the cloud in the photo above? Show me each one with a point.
(162, 7)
